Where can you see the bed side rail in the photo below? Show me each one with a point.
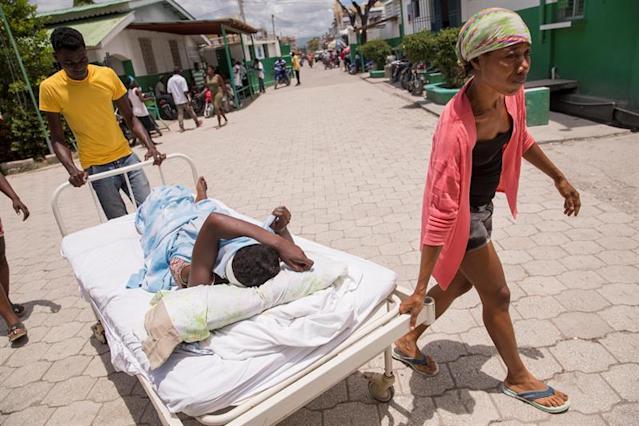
(120, 171)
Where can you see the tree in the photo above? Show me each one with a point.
(362, 14)
(313, 44)
(77, 3)
(17, 109)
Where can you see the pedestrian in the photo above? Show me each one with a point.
(10, 312)
(137, 98)
(477, 149)
(237, 75)
(84, 94)
(259, 67)
(198, 76)
(215, 83)
(295, 59)
(178, 88)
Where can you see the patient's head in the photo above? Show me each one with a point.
(255, 264)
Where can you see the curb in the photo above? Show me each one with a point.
(428, 108)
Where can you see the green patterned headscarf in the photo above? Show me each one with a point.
(488, 30)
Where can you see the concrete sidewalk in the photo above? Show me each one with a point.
(561, 127)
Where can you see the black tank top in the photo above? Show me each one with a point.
(486, 171)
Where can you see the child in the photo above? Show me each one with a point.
(11, 312)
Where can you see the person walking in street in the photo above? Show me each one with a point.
(477, 149)
(84, 94)
(198, 76)
(10, 312)
(295, 59)
(259, 67)
(215, 83)
(137, 98)
(179, 89)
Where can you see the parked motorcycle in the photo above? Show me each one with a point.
(282, 77)
(167, 110)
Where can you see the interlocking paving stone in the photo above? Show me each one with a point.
(572, 324)
(582, 355)
(625, 380)
(349, 193)
(588, 393)
(76, 413)
(622, 415)
(73, 389)
(24, 375)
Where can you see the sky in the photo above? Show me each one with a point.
(300, 18)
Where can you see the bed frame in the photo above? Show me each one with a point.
(376, 335)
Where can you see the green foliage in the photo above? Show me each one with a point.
(25, 135)
(313, 44)
(77, 3)
(376, 51)
(16, 106)
(445, 58)
(420, 47)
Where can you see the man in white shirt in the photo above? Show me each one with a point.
(259, 67)
(178, 88)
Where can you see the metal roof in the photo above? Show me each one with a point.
(196, 27)
(98, 30)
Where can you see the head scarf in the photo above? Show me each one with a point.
(488, 30)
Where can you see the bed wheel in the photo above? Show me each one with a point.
(98, 332)
(380, 386)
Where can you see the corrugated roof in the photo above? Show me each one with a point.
(96, 30)
(196, 27)
(87, 11)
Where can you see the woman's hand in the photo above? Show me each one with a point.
(293, 256)
(572, 203)
(412, 305)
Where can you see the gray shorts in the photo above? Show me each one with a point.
(481, 226)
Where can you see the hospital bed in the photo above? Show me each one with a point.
(214, 390)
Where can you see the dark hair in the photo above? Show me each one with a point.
(255, 264)
(66, 38)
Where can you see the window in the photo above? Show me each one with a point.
(147, 56)
(265, 50)
(175, 53)
(570, 9)
(415, 8)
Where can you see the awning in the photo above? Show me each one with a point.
(198, 27)
(97, 31)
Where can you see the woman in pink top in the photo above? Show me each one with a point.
(477, 148)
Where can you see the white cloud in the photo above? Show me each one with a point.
(300, 18)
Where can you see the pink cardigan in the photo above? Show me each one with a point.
(446, 208)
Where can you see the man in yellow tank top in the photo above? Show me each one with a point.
(84, 94)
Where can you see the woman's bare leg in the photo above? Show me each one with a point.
(200, 189)
(443, 299)
(483, 269)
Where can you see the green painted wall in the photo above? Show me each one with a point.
(600, 51)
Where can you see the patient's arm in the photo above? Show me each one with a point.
(218, 227)
(282, 219)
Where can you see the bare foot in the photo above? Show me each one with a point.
(200, 188)
(531, 383)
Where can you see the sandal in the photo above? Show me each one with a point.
(414, 363)
(17, 309)
(16, 331)
(530, 397)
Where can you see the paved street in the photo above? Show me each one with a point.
(349, 160)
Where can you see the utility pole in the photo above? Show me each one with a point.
(26, 78)
(241, 4)
(273, 22)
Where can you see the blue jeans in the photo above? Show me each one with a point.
(108, 190)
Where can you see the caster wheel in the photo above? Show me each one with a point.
(384, 396)
(98, 333)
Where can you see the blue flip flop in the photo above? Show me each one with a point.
(530, 397)
(412, 362)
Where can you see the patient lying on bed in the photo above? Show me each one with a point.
(189, 242)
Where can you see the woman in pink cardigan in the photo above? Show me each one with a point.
(477, 148)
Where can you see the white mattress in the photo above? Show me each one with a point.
(103, 258)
